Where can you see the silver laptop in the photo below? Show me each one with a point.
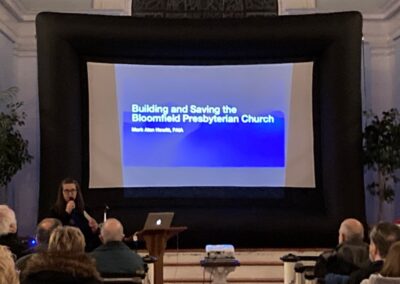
(158, 220)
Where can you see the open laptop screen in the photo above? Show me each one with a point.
(158, 220)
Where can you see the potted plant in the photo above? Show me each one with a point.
(381, 147)
(13, 147)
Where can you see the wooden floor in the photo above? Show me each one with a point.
(256, 266)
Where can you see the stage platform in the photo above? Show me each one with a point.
(259, 266)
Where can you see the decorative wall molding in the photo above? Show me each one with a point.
(17, 10)
(394, 26)
(25, 47)
(382, 49)
(18, 24)
(391, 8)
(8, 24)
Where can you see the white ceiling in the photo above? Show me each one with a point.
(364, 6)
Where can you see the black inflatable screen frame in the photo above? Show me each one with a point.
(244, 217)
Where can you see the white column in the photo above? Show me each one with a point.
(26, 182)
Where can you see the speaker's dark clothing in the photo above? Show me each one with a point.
(78, 219)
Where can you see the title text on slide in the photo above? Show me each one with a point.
(194, 114)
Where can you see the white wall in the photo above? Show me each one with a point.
(382, 87)
(18, 68)
(396, 72)
(8, 72)
(396, 75)
(26, 182)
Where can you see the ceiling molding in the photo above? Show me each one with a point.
(394, 27)
(391, 8)
(18, 10)
(104, 7)
(123, 7)
(8, 24)
(7, 32)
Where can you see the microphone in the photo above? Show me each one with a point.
(72, 199)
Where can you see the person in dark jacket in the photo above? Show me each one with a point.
(69, 208)
(43, 232)
(8, 231)
(390, 273)
(114, 257)
(65, 262)
(382, 236)
(350, 254)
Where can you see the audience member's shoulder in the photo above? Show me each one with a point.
(379, 279)
(365, 272)
(82, 263)
(21, 262)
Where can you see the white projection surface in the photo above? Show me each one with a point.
(208, 125)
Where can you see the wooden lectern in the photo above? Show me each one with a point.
(156, 243)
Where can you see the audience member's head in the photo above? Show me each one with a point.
(382, 236)
(67, 239)
(67, 190)
(8, 274)
(112, 230)
(8, 222)
(45, 228)
(351, 230)
(391, 268)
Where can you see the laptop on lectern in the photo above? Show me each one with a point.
(158, 220)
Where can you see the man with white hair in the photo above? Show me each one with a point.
(8, 231)
(114, 257)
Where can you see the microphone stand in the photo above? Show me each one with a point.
(106, 208)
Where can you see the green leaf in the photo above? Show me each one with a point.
(13, 148)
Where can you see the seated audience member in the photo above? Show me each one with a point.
(43, 232)
(114, 257)
(350, 254)
(65, 261)
(70, 209)
(8, 231)
(8, 274)
(390, 273)
(382, 236)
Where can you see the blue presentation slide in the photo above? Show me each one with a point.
(203, 116)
